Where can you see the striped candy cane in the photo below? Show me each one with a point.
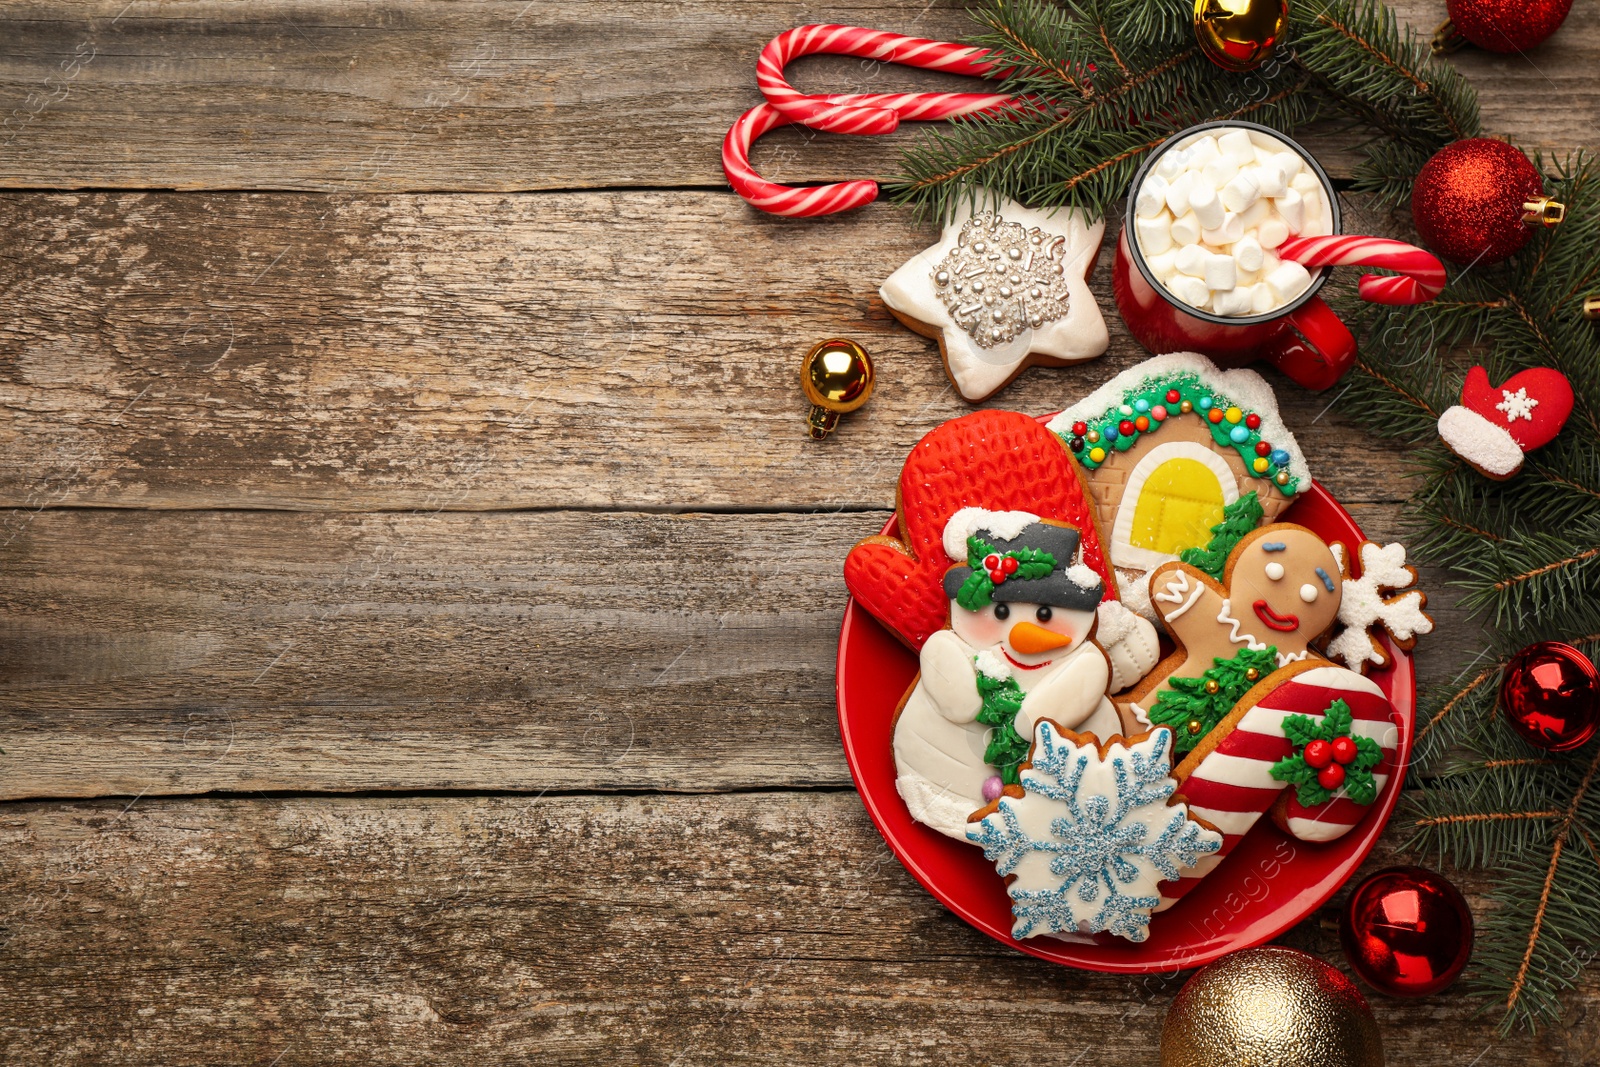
(1422, 274)
(854, 113)
(870, 113)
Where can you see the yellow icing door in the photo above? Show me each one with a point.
(1179, 503)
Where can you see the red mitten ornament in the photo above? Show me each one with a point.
(999, 460)
(1494, 426)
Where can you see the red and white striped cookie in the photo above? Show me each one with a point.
(1227, 780)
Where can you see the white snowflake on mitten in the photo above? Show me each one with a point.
(1365, 606)
(1092, 834)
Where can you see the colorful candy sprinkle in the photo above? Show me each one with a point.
(1173, 396)
(1159, 413)
(1080, 428)
(1204, 403)
(1076, 444)
(1238, 435)
(1282, 478)
(1263, 449)
(1125, 410)
(1127, 426)
(1233, 415)
(1185, 407)
(1141, 405)
(1253, 421)
(1109, 432)
(1093, 437)
(1280, 457)
(1142, 424)
(1260, 465)
(1215, 415)
(1097, 455)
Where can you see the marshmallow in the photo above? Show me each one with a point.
(1241, 192)
(1240, 301)
(1172, 164)
(1291, 207)
(1255, 214)
(1205, 205)
(1314, 213)
(1202, 152)
(1178, 194)
(1191, 291)
(1269, 262)
(1191, 260)
(1271, 179)
(1152, 198)
(1155, 235)
(1304, 182)
(1219, 171)
(1163, 266)
(1288, 281)
(1261, 298)
(1272, 233)
(1230, 231)
(1236, 144)
(1248, 252)
(1290, 163)
(1221, 272)
(1186, 230)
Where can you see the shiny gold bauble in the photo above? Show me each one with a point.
(1239, 35)
(1270, 1007)
(837, 378)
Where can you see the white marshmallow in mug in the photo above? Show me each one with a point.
(1247, 250)
(1242, 192)
(1237, 145)
(1205, 205)
(1231, 230)
(1202, 152)
(1178, 194)
(1219, 171)
(1291, 207)
(1152, 198)
(1221, 272)
(1191, 291)
(1155, 235)
(1186, 231)
(1191, 260)
(1272, 233)
(1288, 281)
(1238, 301)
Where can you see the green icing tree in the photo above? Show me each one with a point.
(1188, 702)
(1002, 698)
(1238, 519)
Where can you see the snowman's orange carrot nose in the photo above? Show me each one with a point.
(1028, 639)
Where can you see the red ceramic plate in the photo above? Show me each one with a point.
(1269, 883)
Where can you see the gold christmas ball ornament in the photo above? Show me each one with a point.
(1239, 35)
(1270, 1007)
(837, 378)
(1591, 307)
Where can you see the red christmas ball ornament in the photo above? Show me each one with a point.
(1499, 25)
(1477, 200)
(1551, 696)
(1407, 932)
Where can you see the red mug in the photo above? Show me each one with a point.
(1304, 338)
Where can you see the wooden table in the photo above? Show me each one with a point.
(420, 594)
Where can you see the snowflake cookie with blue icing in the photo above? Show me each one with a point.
(1090, 833)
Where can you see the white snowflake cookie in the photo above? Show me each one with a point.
(1368, 604)
(1003, 289)
(1090, 834)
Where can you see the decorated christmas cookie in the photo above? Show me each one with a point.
(1022, 612)
(997, 579)
(1312, 743)
(1281, 591)
(1494, 426)
(1173, 449)
(1004, 289)
(1089, 833)
(1373, 601)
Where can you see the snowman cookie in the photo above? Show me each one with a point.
(1280, 592)
(1004, 289)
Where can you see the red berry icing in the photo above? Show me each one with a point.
(991, 562)
(1252, 421)
(1009, 565)
(1318, 754)
(1263, 449)
(1331, 776)
(1344, 750)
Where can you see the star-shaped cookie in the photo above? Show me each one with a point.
(1004, 289)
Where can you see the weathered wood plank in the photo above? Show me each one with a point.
(462, 352)
(513, 95)
(760, 929)
(184, 652)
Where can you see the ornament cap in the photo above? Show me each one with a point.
(1543, 212)
(1446, 38)
(837, 377)
(1591, 307)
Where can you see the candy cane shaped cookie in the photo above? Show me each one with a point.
(1251, 763)
(1422, 277)
(870, 113)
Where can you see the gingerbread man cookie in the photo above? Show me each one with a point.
(1281, 590)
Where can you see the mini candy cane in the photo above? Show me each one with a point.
(1422, 273)
(865, 113)
(857, 113)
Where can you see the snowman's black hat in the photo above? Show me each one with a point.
(1057, 588)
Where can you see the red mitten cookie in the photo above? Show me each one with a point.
(1265, 755)
(999, 460)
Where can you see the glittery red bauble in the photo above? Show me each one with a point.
(1468, 200)
(1507, 25)
(1551, 696)
(1407, 932)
